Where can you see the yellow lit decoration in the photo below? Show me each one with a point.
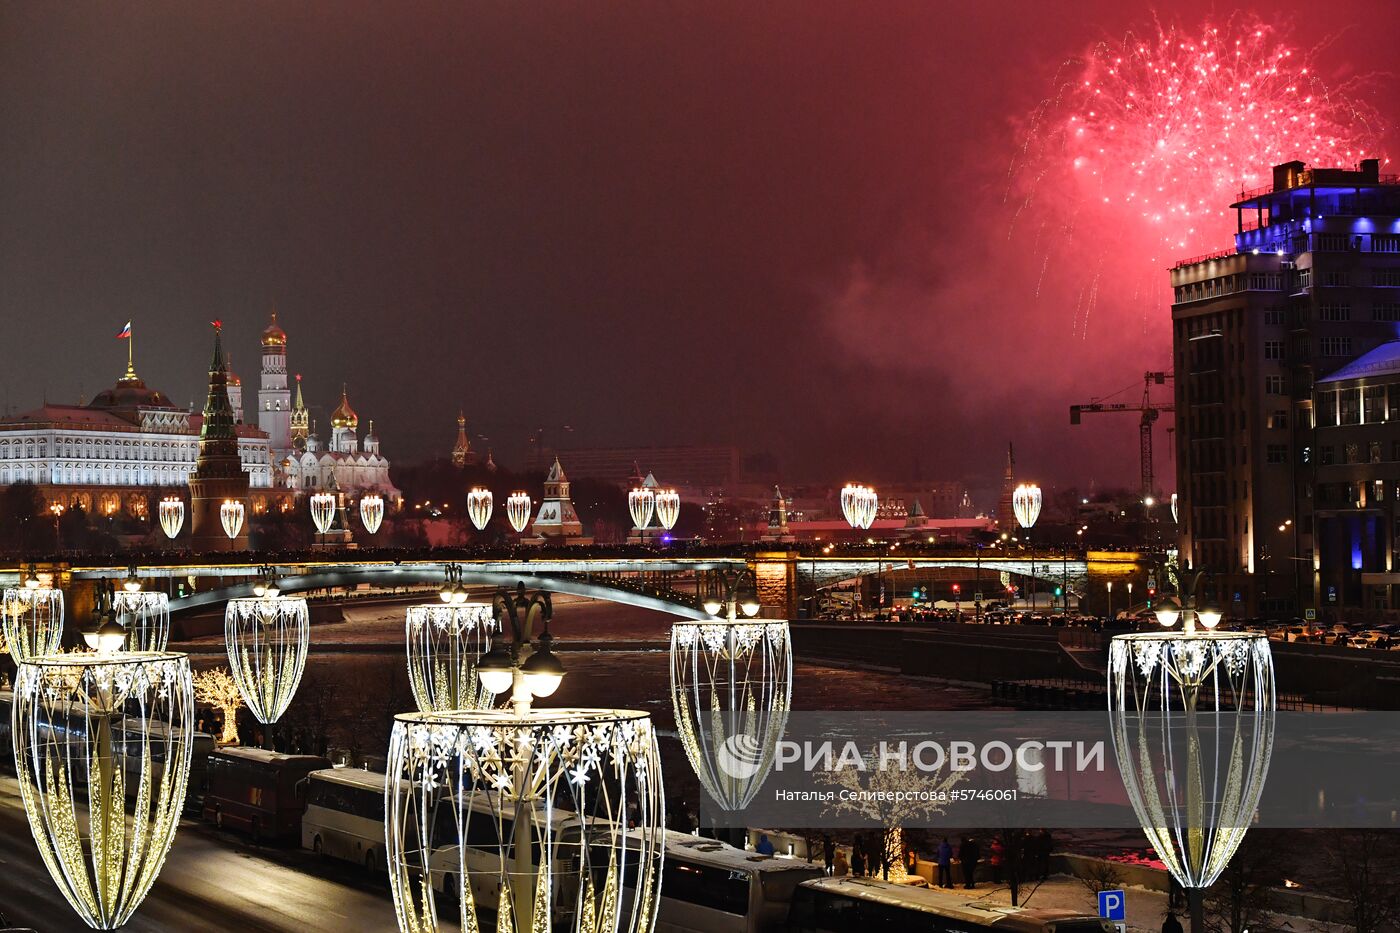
(731, 689)
(172, 515)
(323, 506)
(146, 618)
(518, 509)
(479, 506)
(1025, 502)
(668, 508)
(267, 640)
(641, 502)
(91, 733)
(444, 644)
(565, 807)
(859, 504)
(33, 621)
(231, 515)
(372, 512)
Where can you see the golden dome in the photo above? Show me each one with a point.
(274, 336)
(344, 416)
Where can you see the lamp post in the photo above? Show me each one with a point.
(33, 619)
(267, 639)
(1110, 601)
(445, 643)
(372, 512)
(1192, 723)
(479, 506)
(231, 517)
(641, 504)
(56, 509)
(668, 508)
(518, 507)
(323, 511)
(144, 617)
(859, 505)
(172, 516)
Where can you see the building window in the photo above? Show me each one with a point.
(1273, 349)
(1326, 456)
(1382, 243)
(1373, 451)
(1395, 450)
(1332, 242)
(1276, 453)
(1387, 311)
(1335, 346)
(1389, 278)
(1336, 279)
(1305, 278)
(1334, 311)
(1373, 399)
(1350, 406)
(1273, 316)
(1279, 419)
(1326, 411)
(1273, 385)
(1352, 453)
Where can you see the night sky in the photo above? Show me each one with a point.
(782, 225)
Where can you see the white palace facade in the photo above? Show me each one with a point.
(130, 445)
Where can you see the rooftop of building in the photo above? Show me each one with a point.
(1296, 176)
(1384, 360)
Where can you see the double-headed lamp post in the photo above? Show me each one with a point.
(501, 669)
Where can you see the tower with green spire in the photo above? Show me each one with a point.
(218, 475)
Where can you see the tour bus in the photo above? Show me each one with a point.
(708, 886)
(867, 905)
(261, 792)
(201, 746)
(345, 816)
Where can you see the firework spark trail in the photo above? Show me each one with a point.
(1146, 140)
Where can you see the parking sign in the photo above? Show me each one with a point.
(1113, 905)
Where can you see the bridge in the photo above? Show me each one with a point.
(668, 579)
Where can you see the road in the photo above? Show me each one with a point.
(212, 881)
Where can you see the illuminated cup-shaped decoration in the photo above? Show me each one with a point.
(731, 689)
(371, 512)
(33, 621)
(323, 506)
(145, 617)
(267, 640)
(479, 506)
(1175, 509)
(231, 515)
(444, 644)
(668, 508)
(518, 508)
(92, 732)
(1192, 718)
(172, 515)
(1025, 502)
(641, 502)
(563, 808)
(859, 504)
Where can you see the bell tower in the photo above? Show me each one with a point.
(274, 397)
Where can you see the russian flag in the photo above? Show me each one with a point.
(125, 332)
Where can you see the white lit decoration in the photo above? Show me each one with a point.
(859, 504)
(92, 732)
(1175, 516)
(444, 644)
(145, 617)
(172, 515)
(33, 621)
(323, 506)
(231, 515)
(641, 502)
(267, 640)
(518, 507)
(579, 787)
(668, 508)
(371, 512)
(1193, 726)
(479, 506)
(1025, 502)
(731, 688)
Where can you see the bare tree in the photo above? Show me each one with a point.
(1365, 861)
(217, 688)
(1100, 876)
(1239, 899)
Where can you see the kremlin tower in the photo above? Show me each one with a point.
(557, 521)
(274, 398)
(1006, 511)
(300, 421)
(218, 474)
(462, 455)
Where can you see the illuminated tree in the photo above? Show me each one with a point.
(217, 688)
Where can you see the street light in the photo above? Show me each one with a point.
(479, 506)
(668, 508)
(323, 505)
(372, 512)
(144, 618)
(172, 516)
(1193, 724)
(452, 591)
(518, 508)
(231, 516)
(501, 669)
(103, 634)
(641, 503)
(267, 640)
(72, 769)
(859, 504)
(445, 644)
(1025, 503)
(33, 619)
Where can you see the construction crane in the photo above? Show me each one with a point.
(1149, 410)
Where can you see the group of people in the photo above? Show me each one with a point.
(866, 859)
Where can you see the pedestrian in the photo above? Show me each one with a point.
(840, 868)
(945, 864)
(1176, 894)
(828, 851)
(874, 858)
(1171, 924)
(968, 855)
(858, 860)
(765, 845)
(996, 856)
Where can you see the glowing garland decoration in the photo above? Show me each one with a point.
(267, 640)
(641, 502)
(372, 512)
(1175, 509)
(517, 784)
(1193, 726)
(859, 504)
(323, 507)
(518, 507)
(146, 618)
(479, 506)
(91, 732)
(731, 689)
(33, 621)
(668, 508)
(172, 516)
(1025, 502)
(444, 644)
(231, 515)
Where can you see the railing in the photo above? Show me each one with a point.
(1305, 178)
(1207, 257)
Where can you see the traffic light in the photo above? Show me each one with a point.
(1059, 591)
(957, 588)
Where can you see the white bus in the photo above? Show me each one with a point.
(867, 905)
(708, 886)
(344, 816)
